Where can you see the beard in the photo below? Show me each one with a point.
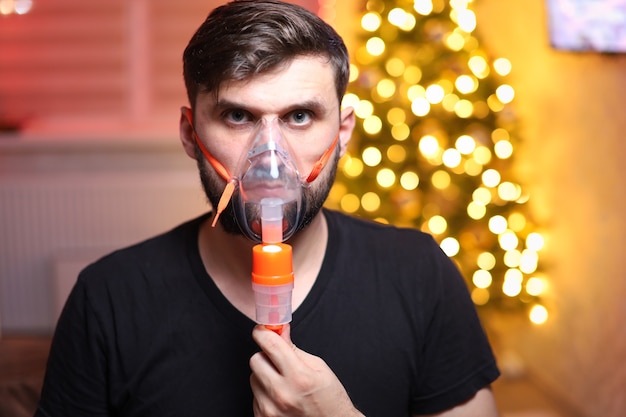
(313, 197)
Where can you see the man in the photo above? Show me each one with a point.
(382, 322)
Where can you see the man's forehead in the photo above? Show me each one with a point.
(304, 82)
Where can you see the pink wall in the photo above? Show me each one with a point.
(104, 66)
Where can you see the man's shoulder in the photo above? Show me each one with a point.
(154, 255)
(373, 231)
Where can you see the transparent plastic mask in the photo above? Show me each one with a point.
(268, 202)
(273, 187)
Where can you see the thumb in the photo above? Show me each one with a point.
(284, 331)
(285, 334)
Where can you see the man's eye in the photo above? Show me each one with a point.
(300, 117)
(237, 116)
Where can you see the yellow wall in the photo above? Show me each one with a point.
(572, 114)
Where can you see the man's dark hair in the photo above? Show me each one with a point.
(248, 37)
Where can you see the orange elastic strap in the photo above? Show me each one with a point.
(319, 165)
(227, 194)
(219, 168)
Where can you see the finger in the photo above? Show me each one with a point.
(286, 333)
(263, 384)
(256, 409)
(280, 351)
(258, 389)
(256, 405)
(261, 365)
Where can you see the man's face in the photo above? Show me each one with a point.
(302, 95)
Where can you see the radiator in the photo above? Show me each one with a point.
(51, 226)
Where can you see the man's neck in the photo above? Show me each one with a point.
(227, 259)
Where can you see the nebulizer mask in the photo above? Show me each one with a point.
(268, 202)
(267, 189)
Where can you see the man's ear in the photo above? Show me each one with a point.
(187, 133)
(346, 127)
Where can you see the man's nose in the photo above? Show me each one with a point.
(270, 130)
(268, 137)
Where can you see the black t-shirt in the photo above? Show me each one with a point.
(145, 331)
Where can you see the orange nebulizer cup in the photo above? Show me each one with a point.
(272, 282)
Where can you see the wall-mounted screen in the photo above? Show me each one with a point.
(588, 25)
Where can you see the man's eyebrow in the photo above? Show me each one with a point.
(314, 105)
(222, 104)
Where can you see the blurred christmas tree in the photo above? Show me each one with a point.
(434, 146)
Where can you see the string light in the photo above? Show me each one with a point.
(538, 314)
(434, 147)
(370, 21)
(450, 246)
(19, 7)
(482, 279)
(423, 7)
(409, 180)
(372, 156)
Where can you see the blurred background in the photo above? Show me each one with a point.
(496, 126)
